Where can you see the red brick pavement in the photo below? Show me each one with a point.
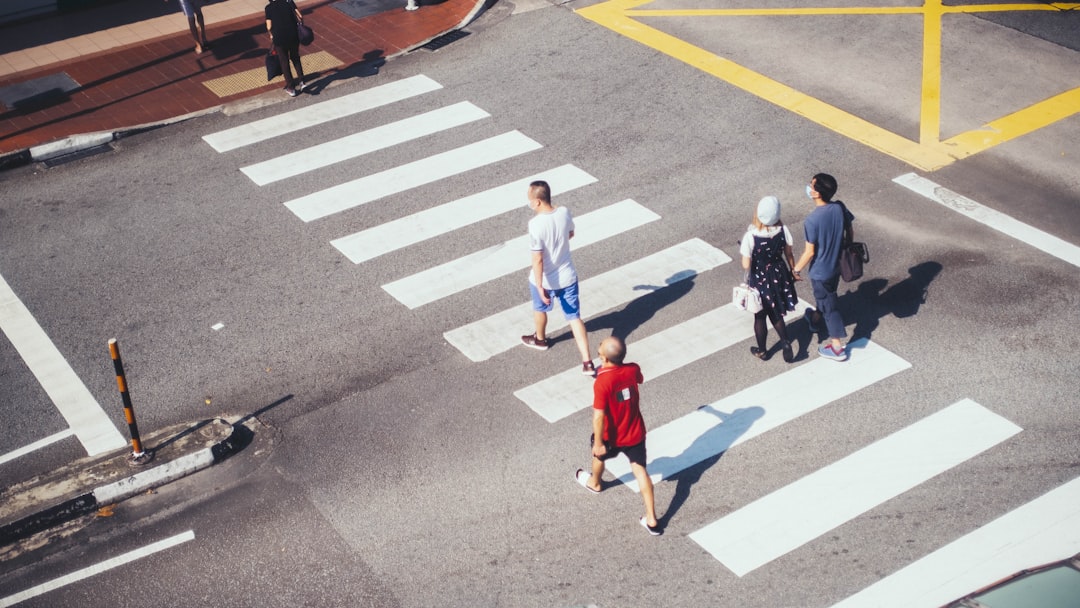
(159, 80)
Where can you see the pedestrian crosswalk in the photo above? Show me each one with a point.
(742, 541)
(432, 222)
(365, 142)
(372, 187)
(487, 337)
(502, 259)
(796, 514)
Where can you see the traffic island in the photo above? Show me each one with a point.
(88, 484)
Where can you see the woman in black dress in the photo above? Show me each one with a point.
(767, 258)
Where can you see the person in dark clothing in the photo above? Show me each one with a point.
(824, 229)
(281, 19)
(765, 248)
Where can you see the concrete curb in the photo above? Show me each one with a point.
(127, 487)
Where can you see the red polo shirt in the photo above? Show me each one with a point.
(616, 389)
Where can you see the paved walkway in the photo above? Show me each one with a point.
(133, 63)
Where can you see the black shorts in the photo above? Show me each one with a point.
(635, 453)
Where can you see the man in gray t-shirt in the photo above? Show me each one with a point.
(824, 231)
(552, 275)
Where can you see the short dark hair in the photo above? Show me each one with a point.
(540, 190)
(825, 185)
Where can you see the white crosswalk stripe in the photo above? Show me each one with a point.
(800, 512)
(435, 221)
(559, 396)
(713, 429)
(322, 112)
(365, 142)
(500, 332)
(405, 177)
(499, 260)
(1042, 531)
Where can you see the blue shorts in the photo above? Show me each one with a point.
(567, 297)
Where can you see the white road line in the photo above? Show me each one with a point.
(723, 424)
(800, 512)
(96, 569)
(364, 142)
(37, 445)
(483, 339)
(500, 260)
(404, 177)
(289, 122)
(412, 229)
(563, 394)
(68, 393)
(1042, 531)
(998, 221)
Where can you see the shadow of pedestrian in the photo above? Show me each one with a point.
(868, 304)
(902, 300)
(632, 316)
(704, 452)
(368, 66)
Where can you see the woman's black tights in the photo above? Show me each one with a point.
(761, 331)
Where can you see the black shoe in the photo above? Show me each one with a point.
(789, 356)
(760, 354)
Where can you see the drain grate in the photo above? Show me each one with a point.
(445, 39)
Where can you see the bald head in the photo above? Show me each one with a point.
(613, 350)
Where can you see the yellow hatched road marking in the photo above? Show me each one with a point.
(928, 154)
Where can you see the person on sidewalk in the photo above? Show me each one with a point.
(617, 425)
(193, 11)
(824, 230)
(767, 258)
(281, 19)
(553, 275)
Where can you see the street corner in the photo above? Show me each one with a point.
(913, 81)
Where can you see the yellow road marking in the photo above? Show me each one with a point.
(930, 109)
(928, 154)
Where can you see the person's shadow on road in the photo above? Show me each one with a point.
(902, 300)
(624, 321)
(715, 441)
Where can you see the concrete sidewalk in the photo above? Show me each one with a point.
(79, 79)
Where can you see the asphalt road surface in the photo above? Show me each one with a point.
(366, 298)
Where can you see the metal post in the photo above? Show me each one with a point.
(138, 456)
(411, 5)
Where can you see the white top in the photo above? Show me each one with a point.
(746, 246)
(549, 233)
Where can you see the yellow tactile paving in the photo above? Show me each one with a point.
(253, 79)
(929, 153)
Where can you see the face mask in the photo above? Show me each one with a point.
(809, 192)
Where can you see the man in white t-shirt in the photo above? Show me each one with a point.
(553, 276)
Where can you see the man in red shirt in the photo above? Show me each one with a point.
(617, 425)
